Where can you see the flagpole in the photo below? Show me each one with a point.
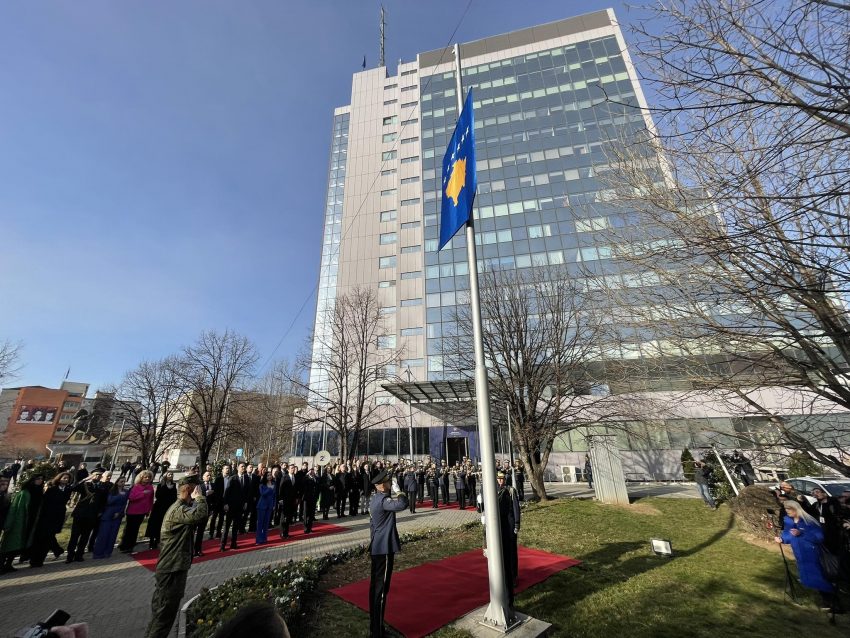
(498, 612)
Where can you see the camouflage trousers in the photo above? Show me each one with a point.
(165, 603)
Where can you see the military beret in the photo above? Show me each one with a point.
(500, 475)
(382, 477)
(190, 479)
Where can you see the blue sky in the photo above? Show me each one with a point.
(163, 164)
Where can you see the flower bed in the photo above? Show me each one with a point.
(283, 585)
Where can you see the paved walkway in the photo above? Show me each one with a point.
(113, 595)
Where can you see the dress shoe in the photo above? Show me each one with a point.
(223, 548)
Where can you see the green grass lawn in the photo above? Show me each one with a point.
(718, 584)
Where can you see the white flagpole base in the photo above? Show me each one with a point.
(478, 624)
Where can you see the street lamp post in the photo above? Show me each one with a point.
(410, 415)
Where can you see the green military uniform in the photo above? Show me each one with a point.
(172, 568)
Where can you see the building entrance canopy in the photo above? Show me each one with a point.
(451, 401)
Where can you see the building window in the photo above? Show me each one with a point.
(408, 72)
(388, 310)
(410, 180)
(389, 102)
(386, 341)
(413, 274)
(411, 332)
(387, 283)
(388, 238)
(410, 160)
(406, 89)
(390, 137)
(409, 202)
(389, 191)
(390, 86)
(406, 140)
(412, 363)
(411, 249)
(390, 119)
(409, 122)
(389, 155)
(388, 171)
(388, 215)
(410, 225)
(416, 301)
(387, 262)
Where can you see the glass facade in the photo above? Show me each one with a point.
(541, 122)
(330, 246)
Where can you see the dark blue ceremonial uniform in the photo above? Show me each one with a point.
(385, 543)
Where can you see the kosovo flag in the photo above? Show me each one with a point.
(459, 178)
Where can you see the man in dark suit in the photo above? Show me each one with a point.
(217, 510)
(208, 492)
(288, 500)
(234, 506)
(253, 498)
(383, 546)
(299, 482)
(310, 496)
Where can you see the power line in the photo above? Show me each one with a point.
(368, 192)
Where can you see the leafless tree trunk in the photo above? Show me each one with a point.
(147, 398)
(350, 361)
(741, 219)
(214, 371)
(544, 341)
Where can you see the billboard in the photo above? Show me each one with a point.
(37, 414)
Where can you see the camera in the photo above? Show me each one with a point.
(41, 629)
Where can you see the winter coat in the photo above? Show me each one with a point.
(806, 548)
(140, 499)
(165, 497)
(20, 521)
(53, 509)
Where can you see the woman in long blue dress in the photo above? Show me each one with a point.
(265, 508)
(110, 520)
(803, 533)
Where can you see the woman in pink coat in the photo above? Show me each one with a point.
(139, 505)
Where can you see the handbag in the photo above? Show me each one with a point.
(829, 564)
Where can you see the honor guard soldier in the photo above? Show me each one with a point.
(383, 545)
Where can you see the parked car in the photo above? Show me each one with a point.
(833, 486)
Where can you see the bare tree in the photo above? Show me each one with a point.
(263, 418)
(215, 373)
(740, 214)
(348, 361)
(544, 340)
(9, 357)
(148, 400)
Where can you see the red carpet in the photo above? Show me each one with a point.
(422, 599)
(428, 505)
(245, 543)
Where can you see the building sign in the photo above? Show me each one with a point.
(37, 414)
(455, 431)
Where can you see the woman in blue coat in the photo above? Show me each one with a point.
(805, 536)
(265, 508)
(110, 520)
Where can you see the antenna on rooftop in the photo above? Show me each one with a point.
(381, 55)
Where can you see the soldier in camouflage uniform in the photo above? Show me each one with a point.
(175, 556)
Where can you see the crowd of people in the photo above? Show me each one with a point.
(819, 536)
(241, 499)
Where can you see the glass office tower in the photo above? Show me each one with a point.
(546, 100)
